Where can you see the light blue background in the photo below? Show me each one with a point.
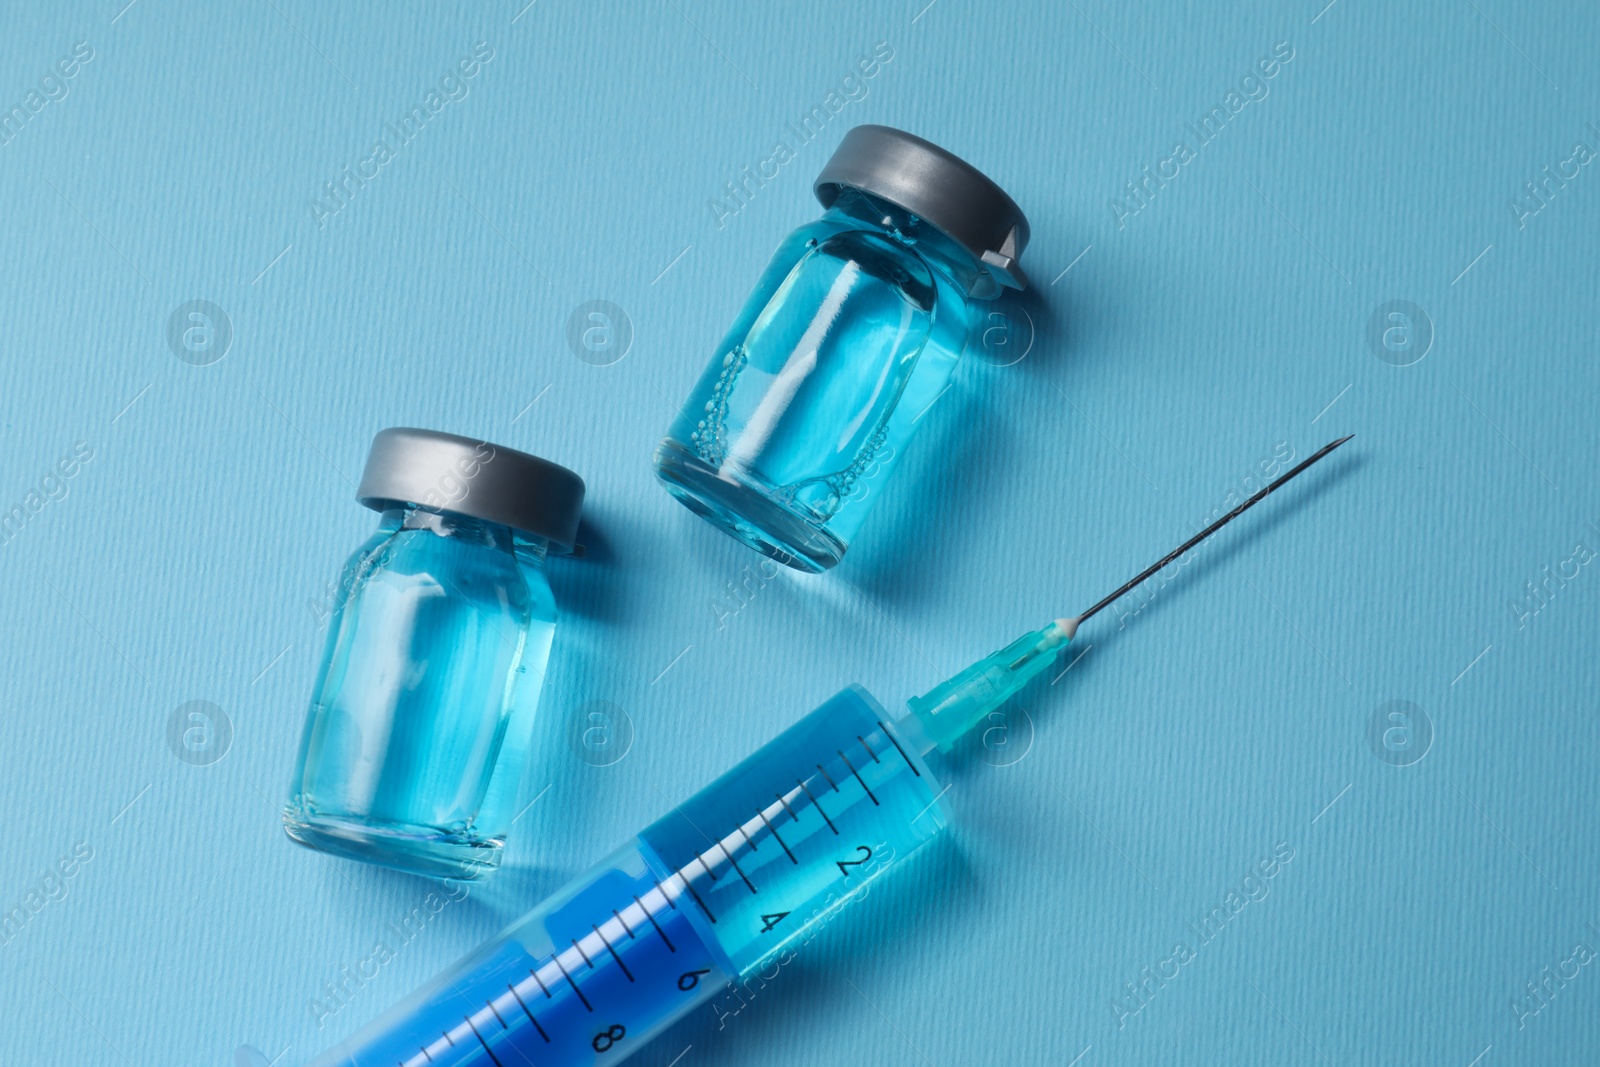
(1179, 349)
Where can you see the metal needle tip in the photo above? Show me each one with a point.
(1251, 501)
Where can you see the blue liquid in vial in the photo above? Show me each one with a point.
(734, 880)
(852, 332)
(423, 709)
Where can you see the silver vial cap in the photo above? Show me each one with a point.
(942, 189)
(473, 478)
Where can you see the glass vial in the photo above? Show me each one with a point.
(420, 721)
(851, 334)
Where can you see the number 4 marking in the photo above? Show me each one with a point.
(769, 921)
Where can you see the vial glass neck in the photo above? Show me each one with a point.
(939, 251)
(465, 529)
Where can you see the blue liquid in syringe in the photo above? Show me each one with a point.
(704, 896)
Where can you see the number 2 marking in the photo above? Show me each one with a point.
(845, 865)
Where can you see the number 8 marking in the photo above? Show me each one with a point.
(606, 1038)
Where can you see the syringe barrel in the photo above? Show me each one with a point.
(727, 883)
(776, 845)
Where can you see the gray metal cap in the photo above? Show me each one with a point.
(942, 189)
(474, 478)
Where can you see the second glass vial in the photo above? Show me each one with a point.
(422, 714)
(850, 335)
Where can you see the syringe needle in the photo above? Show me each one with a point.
(1251, 501)
(947, 711)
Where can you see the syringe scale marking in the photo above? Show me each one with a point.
(759, 823)
(570, 981)
(827, 778)
(626, 973)
(657, 925)
(427, 1056)
(485, 1044)
(818, 806)
(853, 771)
(735, 863)
(664, 896)
(778, 839)
(697, 899)
(898, 749)
(531, 1017)
(547, 994)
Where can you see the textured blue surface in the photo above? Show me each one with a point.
(187, 558)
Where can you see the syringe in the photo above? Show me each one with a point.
(721, 887)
